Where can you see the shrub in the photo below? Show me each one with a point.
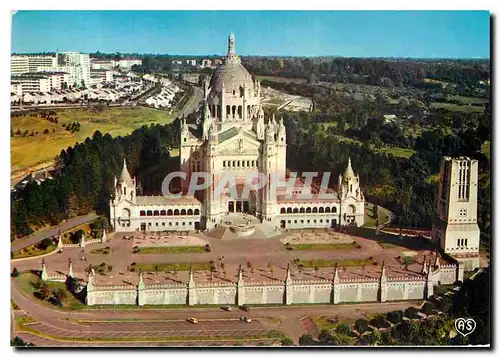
(395, 316)
(306, 340)
(44, 244)
(14, 273)
(379, 321)
(361, 325)
(344, 329)
(412, 313)
(427, 308)
(208, 248)
(286, 342)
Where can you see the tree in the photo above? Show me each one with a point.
(59, 295)
(316, 269)
(44, 291)
(412, 313)
(361, 325)
(395, 316)
(19, 342)
(14, 273)
(47, 242)
(286, 342)
(306, 340)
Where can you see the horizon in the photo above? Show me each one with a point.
(420, 35)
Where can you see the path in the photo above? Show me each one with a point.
(192, 103)
(212, 320)
(50, 232)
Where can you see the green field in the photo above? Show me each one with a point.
(26, 280)
(170, 267)
(485, 149)
(398, 152)
(345, 246)
(282, 79)
(332, 263)
(469, 100)
(42, 148)
(383, 216)
(457, 108)
(33, 251)
(166, 250)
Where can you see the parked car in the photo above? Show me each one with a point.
(244, 308)
(245, 319)
(227, 308)
(193, 320)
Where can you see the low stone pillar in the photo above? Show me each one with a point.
(288, 287)
(383, 285)
(191, 290)
(140, 291)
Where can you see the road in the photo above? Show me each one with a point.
(192, 104)
(158, 323)
(52, 231)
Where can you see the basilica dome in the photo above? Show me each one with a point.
(231, 72)
(234, 76)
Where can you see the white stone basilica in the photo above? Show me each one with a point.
(235, 139)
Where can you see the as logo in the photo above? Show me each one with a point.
(465, 326)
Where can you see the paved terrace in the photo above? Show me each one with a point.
(259, 252)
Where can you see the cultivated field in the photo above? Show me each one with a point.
(29, 151)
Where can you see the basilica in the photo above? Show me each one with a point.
(234, 137)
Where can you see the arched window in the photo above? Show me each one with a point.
(308, 210)
(248, 111)
(295, 210)
(234, 111)
(321, 210)
(283, 210)
(334, 209)
(327, 210)
(288, 210)
(163, 212)
(190, 212)
(228, 111)
(176, 212)
(183, 212)
(315, 209)
(196, 211)
(156, 213)
(169, 212)
(142, 213)
(149, 213)
(302, 210)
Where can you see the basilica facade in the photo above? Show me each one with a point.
(234, 138)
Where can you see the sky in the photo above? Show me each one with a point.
(417, 34)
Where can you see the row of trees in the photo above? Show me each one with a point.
(409, 329)
(87, 173)
(378, 72)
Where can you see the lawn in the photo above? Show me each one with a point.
(102, 251)
(485, 149)
(398, 152)
(26, 280)
(469, 100)
(388, 245)
(383, 216)
(43, 148)
(332, 263)
(169, 267)
(345, 246)
(166, 250)
(33, 251)
(279, 79)
(457, 108)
